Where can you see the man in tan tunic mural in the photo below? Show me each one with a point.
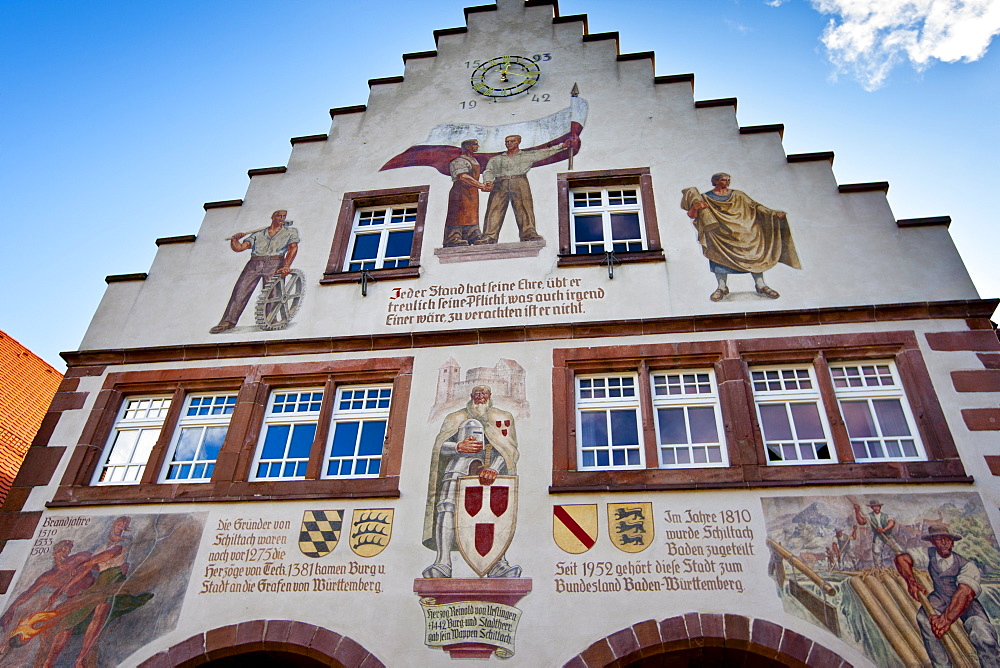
(738, 235)
(507, 182)
(476, 440)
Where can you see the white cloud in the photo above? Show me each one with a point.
(867, 38)
(738, 27)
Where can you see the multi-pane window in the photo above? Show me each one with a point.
(132, 439)
(789, 407)
(875, 411)
(358, 432)
(688, 419)
(608, 426)
(606, 219)
(288, 434)
(198, 438)
(724, 413)
(382, 238)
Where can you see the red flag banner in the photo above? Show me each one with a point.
(443, 141)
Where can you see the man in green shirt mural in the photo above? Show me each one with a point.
(507, 182)
(272, 250)
(881, 525)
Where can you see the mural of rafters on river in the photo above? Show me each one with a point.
(495, 159)
(96, 589)
(910, 580)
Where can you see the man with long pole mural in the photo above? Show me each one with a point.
(957, 584)
(272, 250)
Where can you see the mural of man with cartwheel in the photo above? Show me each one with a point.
(272, 250)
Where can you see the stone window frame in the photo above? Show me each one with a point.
(231, 479)
(192, 418)
(606, 397)
(687, 403)
(352, 202)
(272, 422)
(611, 201)
(869, 394)
(132, 424)
(795, 448)
(748, 467)
(368, 412)
(381, 222)
(635, 177)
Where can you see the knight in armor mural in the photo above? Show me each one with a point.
(477, 440)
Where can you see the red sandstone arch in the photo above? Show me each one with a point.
(685, 634)
(267, 635)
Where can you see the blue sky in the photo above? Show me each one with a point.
(121, 118)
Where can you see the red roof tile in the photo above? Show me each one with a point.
(27, 385)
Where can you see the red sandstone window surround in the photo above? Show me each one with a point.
(607, 211)
(378, 231)
(190, 459)
(828, 409)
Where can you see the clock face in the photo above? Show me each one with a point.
(505, 76)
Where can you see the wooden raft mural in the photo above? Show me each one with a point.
(910, 580)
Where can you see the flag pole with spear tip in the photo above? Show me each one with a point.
(573, 93)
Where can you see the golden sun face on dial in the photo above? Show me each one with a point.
(505, 76)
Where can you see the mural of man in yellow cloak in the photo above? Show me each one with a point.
(739, 235)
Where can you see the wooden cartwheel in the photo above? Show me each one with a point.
(279, 300)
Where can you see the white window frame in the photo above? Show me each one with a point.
(143, 417)
(870, 381)
(695, 388)
(606, 404)
(291, 419)
(220, 407)
(787, 395)
(362, 405)
(407, 218)
(606, 209)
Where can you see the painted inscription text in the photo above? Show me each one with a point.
(471, 621)
(252, 556)
(489, 300)
(701, 551)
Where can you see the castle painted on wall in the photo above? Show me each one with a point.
(506, 380)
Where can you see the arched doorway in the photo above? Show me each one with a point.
(697, 640)
(269, 659)
(270, 643)
(706, 657)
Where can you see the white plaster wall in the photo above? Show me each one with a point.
(554, 626)
(851, 250)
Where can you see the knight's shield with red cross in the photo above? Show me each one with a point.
(485, 517)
